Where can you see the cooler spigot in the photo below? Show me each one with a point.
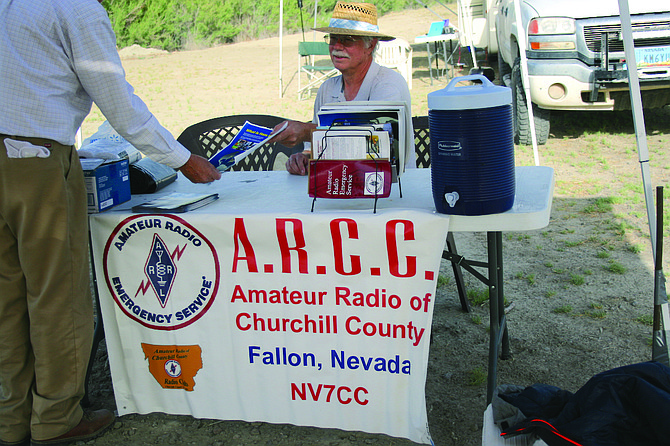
(452, 198)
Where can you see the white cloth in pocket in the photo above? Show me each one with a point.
(24, 149)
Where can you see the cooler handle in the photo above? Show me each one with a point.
(470, 77)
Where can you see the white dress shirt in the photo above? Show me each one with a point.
(57, 57)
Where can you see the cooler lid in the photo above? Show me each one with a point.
(468, 97)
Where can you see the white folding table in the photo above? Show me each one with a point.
(439, 40)
(281, 192)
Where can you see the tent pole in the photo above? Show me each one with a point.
(281, 48)
(638, 117)
(660, 350)
(426, 6)
(446, 7)
(316, 10)
(302, 24)
(526, 79)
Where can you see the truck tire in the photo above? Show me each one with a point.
(522, 132)
(503, 70)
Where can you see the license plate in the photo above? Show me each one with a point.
(652, 56)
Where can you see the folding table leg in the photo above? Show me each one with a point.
(505, 352)
(498, 336)
(98, 333)
(458, 274)
(498, 324)
(430, 62)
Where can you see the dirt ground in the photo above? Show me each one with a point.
(579, 292)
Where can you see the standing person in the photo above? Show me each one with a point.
(352, 39)
(56, 58)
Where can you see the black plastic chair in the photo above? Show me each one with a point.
(208, 137)
(421, 141)
(422, 148)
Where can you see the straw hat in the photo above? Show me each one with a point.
(354, 19)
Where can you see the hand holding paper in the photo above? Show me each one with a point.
(248, 139)
(252, 149)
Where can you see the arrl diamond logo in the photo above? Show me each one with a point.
(164, 241)
(160, 270)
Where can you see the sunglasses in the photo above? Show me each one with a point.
(346, 41)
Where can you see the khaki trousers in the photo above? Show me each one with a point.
(46, 311)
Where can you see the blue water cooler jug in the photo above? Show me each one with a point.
(471, 147)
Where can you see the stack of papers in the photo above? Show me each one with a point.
(351, 143)
(377, 112)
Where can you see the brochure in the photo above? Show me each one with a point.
(248, 139)
(175, 203)
(395, 113)
(351, 142)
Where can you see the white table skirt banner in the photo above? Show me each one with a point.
(319, 319)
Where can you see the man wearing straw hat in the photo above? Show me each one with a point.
(352, 37)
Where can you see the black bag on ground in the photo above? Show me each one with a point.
(626, 406)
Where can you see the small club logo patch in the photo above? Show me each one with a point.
(173, 368)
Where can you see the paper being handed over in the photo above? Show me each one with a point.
(248, 139)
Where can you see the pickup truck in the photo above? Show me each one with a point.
(576, 57)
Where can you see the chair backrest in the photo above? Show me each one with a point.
(313, 49)
(393, 52)
(421, 140)
(315, 64)
(396, 54)
(208, 137)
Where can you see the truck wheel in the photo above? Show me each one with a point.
(522, 133)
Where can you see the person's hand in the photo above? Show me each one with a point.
(297, 163)
(294, 133)
(198, 170)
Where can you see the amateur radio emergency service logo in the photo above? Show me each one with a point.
(161, 271)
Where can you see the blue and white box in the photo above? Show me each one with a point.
(107, 183)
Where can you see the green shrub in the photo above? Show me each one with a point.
(170, 25)
(478, 296)
(476, 377)
(565, 309)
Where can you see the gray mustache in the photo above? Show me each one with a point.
(338, 53)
